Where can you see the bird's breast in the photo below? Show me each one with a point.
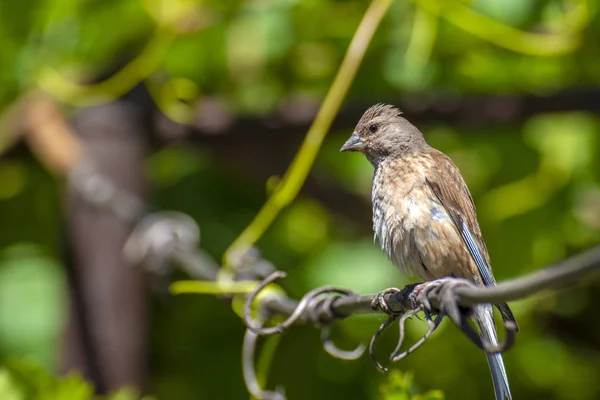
(414, 229)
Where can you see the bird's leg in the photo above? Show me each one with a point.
(380, 303)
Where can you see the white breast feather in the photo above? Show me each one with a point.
(393, 220)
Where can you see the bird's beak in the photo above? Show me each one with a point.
(353, 144)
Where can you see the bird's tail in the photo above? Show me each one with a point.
(484, 318)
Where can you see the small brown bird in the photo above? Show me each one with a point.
(424, 216)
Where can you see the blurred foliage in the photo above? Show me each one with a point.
(23, 381)
(536, 183)
(31, 304)
(255, 54)
(288, 188)
(398, 387)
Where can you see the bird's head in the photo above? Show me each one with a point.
(383, 132)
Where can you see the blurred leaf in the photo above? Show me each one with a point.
(305, 225)
(410, 68)
(586, 212)
(175, 99)
(35, 383)
(399, 386)
(265, 358)
(31, 303)
(8, 389)
(548, 247)
(22, 380)
(171, 164)
(359, 266)
(352, 172)
(13, 177)
(314, 60)
(566, 142)
(512, 12)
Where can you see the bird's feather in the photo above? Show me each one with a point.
(452, 192)
(449, 187)
(484, 318)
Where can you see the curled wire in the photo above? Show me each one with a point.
(157, 237)
(396, 355)
(307, 302)
(249, 372)
(333, 350)
(325, 305)
(511, 329)
(255, 326)
(321, 310)
(484, 344)
(419, 299)
(418, 295)
(382, 327)
(459, 316)
(402, 327)
(432, 324)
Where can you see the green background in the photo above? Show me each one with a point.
(535, 180)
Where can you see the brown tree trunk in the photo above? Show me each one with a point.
(106, 333)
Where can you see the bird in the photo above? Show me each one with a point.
(424, 216)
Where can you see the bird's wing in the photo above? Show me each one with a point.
(449, 187)
(447, 184)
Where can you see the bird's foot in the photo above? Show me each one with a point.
(444, 296)
(418, 292)
(380, 303)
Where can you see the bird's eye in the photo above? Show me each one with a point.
(373, 128)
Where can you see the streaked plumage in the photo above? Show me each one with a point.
(423, 214)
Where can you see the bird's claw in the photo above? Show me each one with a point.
(419, 292)
(380, 303)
